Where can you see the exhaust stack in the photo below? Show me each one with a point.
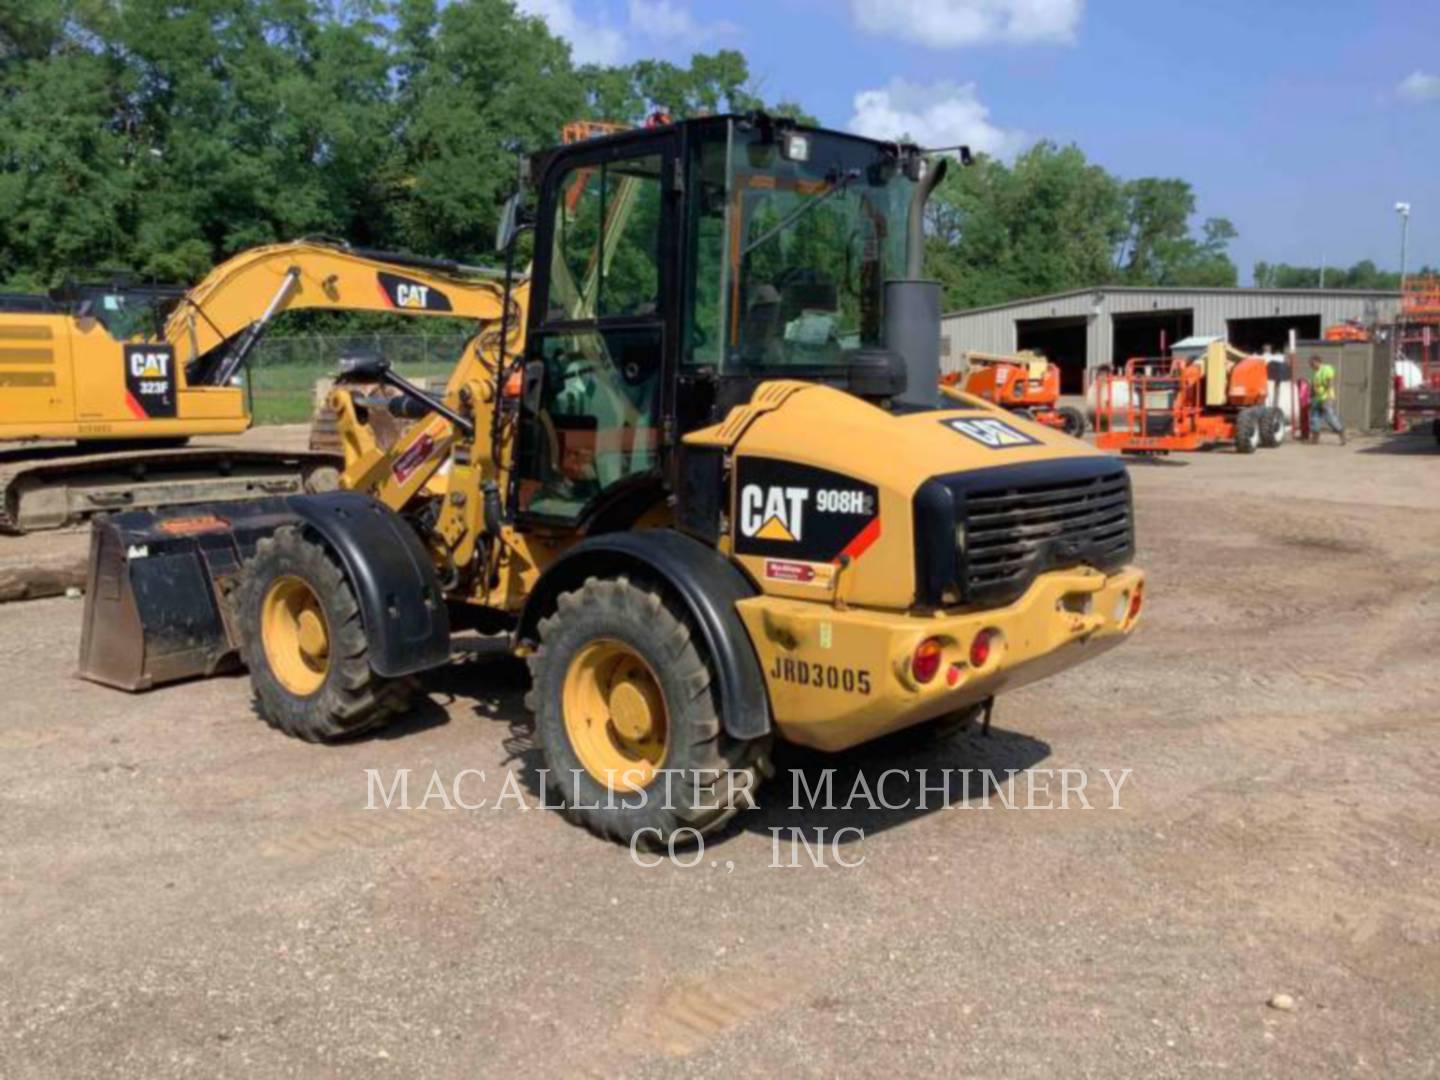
(912, 306)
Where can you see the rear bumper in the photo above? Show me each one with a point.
(837, 678)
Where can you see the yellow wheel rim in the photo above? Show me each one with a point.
(615, 715)
(296, 636)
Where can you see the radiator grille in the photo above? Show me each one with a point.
(1013, 533)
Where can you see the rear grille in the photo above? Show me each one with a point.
(1016, 531)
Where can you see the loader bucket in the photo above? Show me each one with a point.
(155, 607)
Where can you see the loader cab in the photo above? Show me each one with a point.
(676, 268)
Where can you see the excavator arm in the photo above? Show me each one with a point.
(217, 323)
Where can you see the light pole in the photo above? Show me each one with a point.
(1403, 209)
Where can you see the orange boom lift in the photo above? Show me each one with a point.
(1025, 383)
(1188, 403)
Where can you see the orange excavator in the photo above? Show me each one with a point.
(1025, 383)
(1190, 401)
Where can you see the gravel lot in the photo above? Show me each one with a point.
(184, 891)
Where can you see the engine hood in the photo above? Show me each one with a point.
(823, 485)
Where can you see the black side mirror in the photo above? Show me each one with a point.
(513, 221)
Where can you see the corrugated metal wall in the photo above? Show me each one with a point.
(993, 329)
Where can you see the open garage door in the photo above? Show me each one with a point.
(1062, 342)
(1252, 335)
(1149, 333)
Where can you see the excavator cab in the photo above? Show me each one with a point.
(128, 311)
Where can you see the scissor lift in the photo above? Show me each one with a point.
(1417, 340)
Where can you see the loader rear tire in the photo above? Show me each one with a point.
(304, 642)
(1247, 430)
(1073, 421)
(627, 718)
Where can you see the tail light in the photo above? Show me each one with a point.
(925, 664)
(980, 648)
(1137, 601)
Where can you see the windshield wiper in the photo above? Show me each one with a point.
(804, 208)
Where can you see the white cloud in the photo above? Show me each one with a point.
(940, 114)
(1419, 86)
(667, 21)
(948, 24)
(594, 42)
(594, 39)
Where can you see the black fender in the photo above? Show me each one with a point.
(401, 602)
(702, 579)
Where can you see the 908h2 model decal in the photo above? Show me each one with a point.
(801, 514)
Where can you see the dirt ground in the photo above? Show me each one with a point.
(184, 891)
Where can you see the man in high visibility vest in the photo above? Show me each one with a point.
(1323, 400)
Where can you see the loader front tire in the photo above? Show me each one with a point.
(304, 642)
(627, 718)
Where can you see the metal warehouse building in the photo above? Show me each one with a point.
(1088, 328)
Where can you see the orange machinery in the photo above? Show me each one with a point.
(1188, 403)
(1417, 340)
(1025, 383)
(1349, 330)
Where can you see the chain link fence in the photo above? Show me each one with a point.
(283, 371)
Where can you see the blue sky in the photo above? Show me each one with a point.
(1303, 123)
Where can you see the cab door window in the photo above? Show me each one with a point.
(606, 261)
(597, 421)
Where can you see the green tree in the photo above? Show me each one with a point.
(162, 136)
(1362, 275)
(257, 121)
(66, 185)
(1158, 248)
(1049, 222)
(1054, 221)
(488, 81)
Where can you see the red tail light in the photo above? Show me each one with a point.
(1137, 600)
(980, 648)
(925, 664)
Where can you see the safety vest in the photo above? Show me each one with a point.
(1322, 383)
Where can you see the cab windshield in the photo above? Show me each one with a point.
(794, 234)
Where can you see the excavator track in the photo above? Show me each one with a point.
(55, 487)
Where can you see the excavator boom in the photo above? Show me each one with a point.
(217, 324)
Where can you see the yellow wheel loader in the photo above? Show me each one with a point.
(699, 476)
(126, 374)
